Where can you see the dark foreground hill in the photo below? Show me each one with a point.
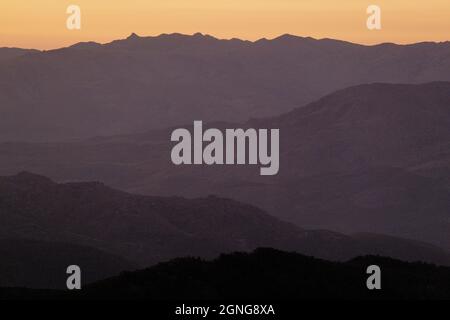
(138, 83)
(264, 275)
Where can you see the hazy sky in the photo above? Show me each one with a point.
(42, 23)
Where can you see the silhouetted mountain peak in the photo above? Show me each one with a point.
(86, 45)
(289, 38)
(198, 35)
(133, 36)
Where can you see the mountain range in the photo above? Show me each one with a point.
(142, 83)
(86, 176)
(46, 226)
(370, 158)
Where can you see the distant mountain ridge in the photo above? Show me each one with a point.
(138, 83)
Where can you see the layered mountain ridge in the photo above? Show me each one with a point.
(370, 158)
(146, 230)
(139, 83)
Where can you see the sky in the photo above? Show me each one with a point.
(41, 24)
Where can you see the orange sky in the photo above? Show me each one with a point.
(42, 23)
